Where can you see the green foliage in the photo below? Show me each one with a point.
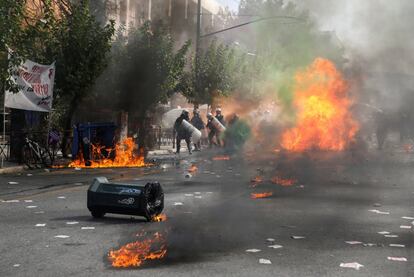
(148, 69)
(220, 70)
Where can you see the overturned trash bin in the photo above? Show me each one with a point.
(131, 199)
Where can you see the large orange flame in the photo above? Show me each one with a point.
(135, 253)
(124, 156)
(324, 120)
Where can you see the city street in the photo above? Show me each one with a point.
(329, 210)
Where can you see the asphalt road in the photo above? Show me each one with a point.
(334, 200)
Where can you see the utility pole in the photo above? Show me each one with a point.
(197, 54)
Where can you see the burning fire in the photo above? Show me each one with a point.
(159, 218)
(135, 253)
(193, 168)
(324, 120)
(221, 158)
(261, 195)
(283, 182)
(124, 156)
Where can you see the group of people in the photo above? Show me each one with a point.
(214, 130)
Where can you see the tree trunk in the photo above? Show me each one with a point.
(68, 126)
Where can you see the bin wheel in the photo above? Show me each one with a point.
(97, 214)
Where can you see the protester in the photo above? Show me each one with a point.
(180, 133)
(197, 122)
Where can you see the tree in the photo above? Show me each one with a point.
(220, 71)
(148, 71)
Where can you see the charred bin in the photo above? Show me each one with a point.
(131, 199)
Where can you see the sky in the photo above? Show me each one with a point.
(232, 4)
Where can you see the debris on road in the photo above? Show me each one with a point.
(87, 228)
(397, 259)
(11, 201)
(270, 239)
(406, 227)
(397, 245)
(16, 265)
(198, 196)
(275, 246)
(72, 222)
(61, 197)
(177, 204)
(408, 217)
(39, 212)
(353, 242)
(188, 194)
(221, 158)
(31, 207)
(78, 168)
(384, 233)
(29, 174)
(377, 205)
(353, 265)
(283, 182)
(261, 195)
(28, 201)
(62, 236)
(378, 212)
(297, 237)
(40, 225)
(188, 175)
(391, 236)
(13, 183)
(253, 250)
(264, 261)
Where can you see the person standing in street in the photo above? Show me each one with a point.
(197, 122)
(180, 133)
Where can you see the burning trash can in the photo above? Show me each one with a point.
(119, 198)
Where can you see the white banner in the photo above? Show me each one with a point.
(35, 83)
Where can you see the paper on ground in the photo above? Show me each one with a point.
(270, 239)
(28, 201)
(352, 242)
(391, 236)
(405, 227)
(408, 217)
(87, 228)
(61, 197)
(178, 204)
(275, 246)
(40, 225)
(264, 261)
(353, 265)
(378, 212)
(254, 250)
(62, 236)
(397, 259)
(72, 222)
(31, 207)
(13, 183)
(297, 237)
(188, 194)
(397, 245)
(384, 233)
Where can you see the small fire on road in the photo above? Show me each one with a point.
(193, 169)
(160, 218)
(221, 158)
(261, 195)
(124, 156)
(283, 182)
(135, 253)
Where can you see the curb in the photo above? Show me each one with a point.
(12, 169)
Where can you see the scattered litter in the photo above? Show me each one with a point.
(16, 265)
(384, 233)
(178, 204)
(370, 244)
(270, 239)
(391, 236)
(397, 245)
(78, 168)
(197, 192)
(47, 170)
(87, 228)
(11, 201)
(275, 246)
(297, 237)
(353, 242)
(353, 265)
(198, 196)
(405, 227)
(72, 222)
(31, 207)
(264, 261)
(62, 236)
(13, 183)
(189, 194)
(61, 197)
(188, 175)
(29, 174)
(40, 225)
(301, 186)
(28, 201)
(397, 259)
(377, 205)
(253, 250)
(408, 217)
(378, 212)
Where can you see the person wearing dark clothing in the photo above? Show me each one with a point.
(213, 131)
(197, 122)
(181, 133)
(220, 117)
